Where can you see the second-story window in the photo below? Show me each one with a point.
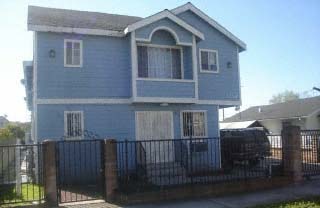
(209, 61)
(162, 62)
(72, 53)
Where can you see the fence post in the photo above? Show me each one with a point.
(291, 152)
(111, 182)
(50, 172)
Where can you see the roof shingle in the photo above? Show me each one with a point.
(291, 109)
(78, 19)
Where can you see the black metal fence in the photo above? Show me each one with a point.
(80, 169)
(310, 152)
(21, 174)
(157, 164)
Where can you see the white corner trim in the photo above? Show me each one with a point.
(209, 20)
(171, 31)
(134, 64)
(195, 66)
(83, 101)
(35, 92)
(217, 61)
(314, 112)
(65, 53)
(238, 64)
(161, 15)
(83, 31)
(219, 102)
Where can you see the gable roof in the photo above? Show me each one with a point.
(49, 19)
(213, 23)
(164, 14)
(292, 109)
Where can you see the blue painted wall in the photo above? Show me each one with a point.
(165, 89)
(105, 72)
(113, 121)
(225, 84)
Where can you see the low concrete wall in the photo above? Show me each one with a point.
(205, 190)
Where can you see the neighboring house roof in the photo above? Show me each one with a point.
(236, 125)
(96, 23)
(292, 109)
(3, 121)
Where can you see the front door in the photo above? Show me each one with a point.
(152, 127)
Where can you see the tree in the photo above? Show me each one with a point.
(12, 131)
(284, 97)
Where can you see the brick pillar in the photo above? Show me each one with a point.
(291, 152)
(110, 168)
(49, 172)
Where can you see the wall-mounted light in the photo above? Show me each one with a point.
(52, 53)
(229, 64)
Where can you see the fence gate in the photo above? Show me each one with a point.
(310, 152)
(80, 170)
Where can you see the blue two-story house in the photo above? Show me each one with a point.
(161, 77)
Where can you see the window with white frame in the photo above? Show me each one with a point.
(163, 62)
(194, 124)
(209, 61)
(73, 124)
(72, 53)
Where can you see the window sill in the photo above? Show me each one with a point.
(209, 72)
(165, 80)
(73, 66)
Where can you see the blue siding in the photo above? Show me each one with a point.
(146, 88)
(106, 71)
(114, 121)
(225, 84)
(183, 34)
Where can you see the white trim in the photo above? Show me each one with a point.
(217, 60)
(219, 102)
(163, 100)
(35, 94)
(205, 120)
(134, 64)
(195, 66)
(83, 101)
(314, 112)
(84, 31)
(65, 122)
(209, 20)
(238, 63)
(65, 53)
(129, 101)
(173, 33)
(164, 80)
(167, 47)
(161, 15)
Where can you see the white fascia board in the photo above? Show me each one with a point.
(159, 16)
(84, 31)
(212, 22)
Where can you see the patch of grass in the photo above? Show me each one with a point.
(302, 203)
(29, 192)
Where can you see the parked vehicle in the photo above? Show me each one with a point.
(248, 145)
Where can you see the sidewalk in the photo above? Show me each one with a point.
(308, 188)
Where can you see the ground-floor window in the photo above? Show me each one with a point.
(194, 124)
(73, 124)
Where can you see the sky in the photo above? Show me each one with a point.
(282, 37)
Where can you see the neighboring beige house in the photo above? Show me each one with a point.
(302, 112)
(3, 121)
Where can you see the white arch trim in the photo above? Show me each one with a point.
(168, 29)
